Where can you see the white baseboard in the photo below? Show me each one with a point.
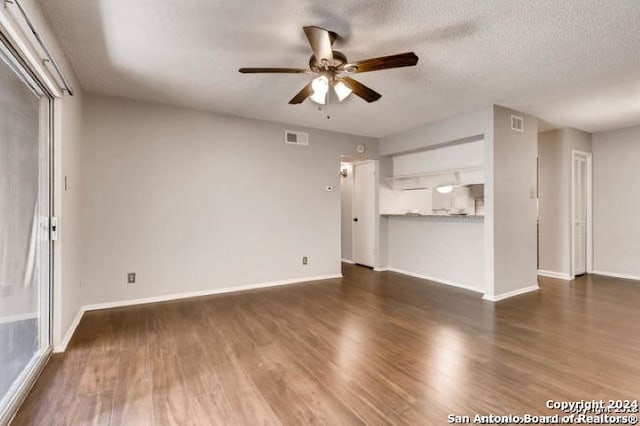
(617, 275)
(176, 296)
(507, 295)
(62, 346)
(381, 269)
(348, 261)
(553, 274)
(434, 279)
(19, 317)
(208, 292)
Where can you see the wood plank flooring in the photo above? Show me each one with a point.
(370, 348)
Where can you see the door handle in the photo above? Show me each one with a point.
(355, 219)
(53, 228)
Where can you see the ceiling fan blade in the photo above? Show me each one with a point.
(361, 90)
(320, 41)
(273, 70)
(408, 59)
(302, 95)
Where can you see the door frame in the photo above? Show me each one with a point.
(588, 156)
(25, 381)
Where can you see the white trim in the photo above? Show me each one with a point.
(381, 269)
(509, 294)
(176, 296)
(589, 159)
(348, 261)
(435, 279)
(361, 162)
(208, 292)
(62, 346)
(22, 384)
(617, 275)
(556, 275)
(24, 45)
(19, 317)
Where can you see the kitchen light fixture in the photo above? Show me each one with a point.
(342, 91)
(320, 88)
(444, 189)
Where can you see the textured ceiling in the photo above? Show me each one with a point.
(571, 63)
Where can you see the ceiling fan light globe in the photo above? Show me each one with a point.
(319, 98)
(342, 91)
(320, 86)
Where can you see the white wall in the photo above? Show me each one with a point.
(554, 205)
(192, 201)
(578, 140)
(68, 204)
(510, 208)
(555, 156)
(447, 250)
(616, 215)
(455, 157)
(69, 209)
(469, 125)
(346, 209)
(385, 168)
(469, 128)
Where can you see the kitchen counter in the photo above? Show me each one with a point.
(435, 216)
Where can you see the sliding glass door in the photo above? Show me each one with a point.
(25, 248)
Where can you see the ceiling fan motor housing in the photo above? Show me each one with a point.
(339, 59)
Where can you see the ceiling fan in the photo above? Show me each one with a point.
(333, 70)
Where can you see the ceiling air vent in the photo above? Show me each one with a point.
(296, 138)
(517, 123)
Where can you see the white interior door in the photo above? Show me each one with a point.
(579, 215)
(364, 214)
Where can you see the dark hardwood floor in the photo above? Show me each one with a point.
(370, 348)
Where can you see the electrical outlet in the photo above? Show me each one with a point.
(131, 278)
(305, 260)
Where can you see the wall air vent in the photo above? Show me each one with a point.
(296, 138)
(517, 123)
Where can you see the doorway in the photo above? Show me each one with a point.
(581, 213)
(346, 209)
(25, 244)
(364, 213)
